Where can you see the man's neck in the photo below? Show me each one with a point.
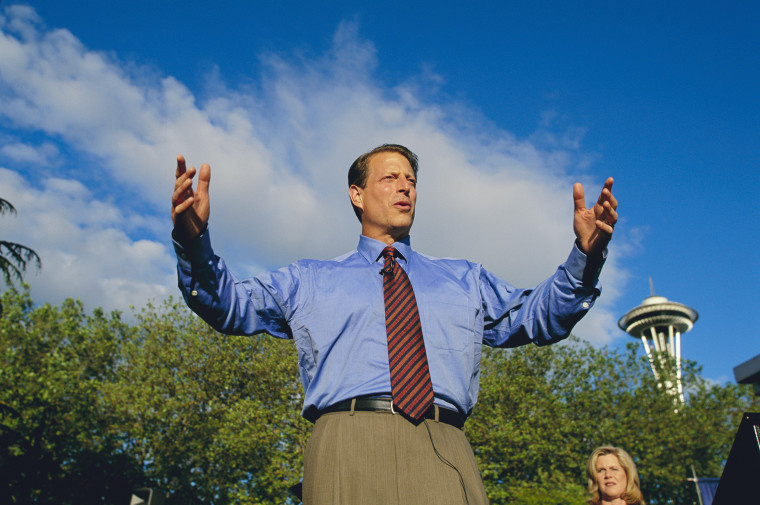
(385, 238)
(389, 240)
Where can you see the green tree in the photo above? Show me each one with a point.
(14, 258)
(542, 411)
(91, 407)
(57, 442)
(210, 418)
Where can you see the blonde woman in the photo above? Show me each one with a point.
(612, 478)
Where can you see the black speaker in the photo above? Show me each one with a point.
(739, 482)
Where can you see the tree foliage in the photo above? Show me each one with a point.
(542, 411)
(210, 418)
(15, 258)
(165, 403)
(57, 438)
(92, 406)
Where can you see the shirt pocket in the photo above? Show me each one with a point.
(447, 324)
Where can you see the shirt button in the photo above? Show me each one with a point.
(195, 293)
(585, 304)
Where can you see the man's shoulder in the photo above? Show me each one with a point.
(445, 262)
(345, 258)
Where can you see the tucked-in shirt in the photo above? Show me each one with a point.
(335, 313)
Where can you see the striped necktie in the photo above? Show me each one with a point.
(411, 387)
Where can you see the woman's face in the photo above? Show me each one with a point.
(610, 477)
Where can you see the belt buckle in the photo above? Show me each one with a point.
(392, 410)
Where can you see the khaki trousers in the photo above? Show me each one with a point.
(380, 458)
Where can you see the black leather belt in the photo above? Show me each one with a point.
(445, 415)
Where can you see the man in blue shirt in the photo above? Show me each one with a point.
(362, 450)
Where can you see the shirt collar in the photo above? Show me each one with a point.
(371, 249)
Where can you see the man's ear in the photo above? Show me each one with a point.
(355, 194)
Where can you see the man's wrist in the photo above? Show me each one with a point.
(180, 235)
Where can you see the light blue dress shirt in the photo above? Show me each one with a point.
(335, 313)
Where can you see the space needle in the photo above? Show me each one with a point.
(659, 323)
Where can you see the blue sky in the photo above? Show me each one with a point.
(507, 105)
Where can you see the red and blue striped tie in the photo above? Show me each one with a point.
(411, 387)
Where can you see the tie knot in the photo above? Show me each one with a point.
(390, 252)
(389, 265)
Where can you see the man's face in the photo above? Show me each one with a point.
(388, 199)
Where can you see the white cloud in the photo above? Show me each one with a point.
(279, 152)
(85, 253)
(20, 152)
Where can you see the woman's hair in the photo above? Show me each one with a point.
(632, 494)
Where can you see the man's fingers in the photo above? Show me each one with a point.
(182, 198)
(185, 181)
(611, 211)
(608, 218)
(604, 194)
(579, 197)
(605, 227)
(204, 178)
(613, 201)
(182, 207)
(181, 168)
(182, 190)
